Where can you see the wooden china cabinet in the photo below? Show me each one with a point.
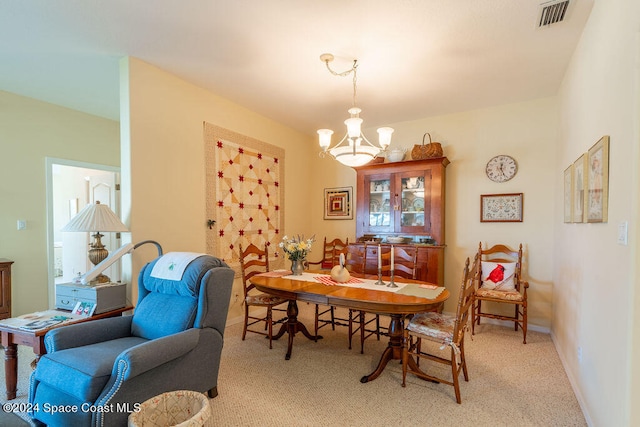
(404, 199)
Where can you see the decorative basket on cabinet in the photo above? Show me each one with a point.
(421, 152)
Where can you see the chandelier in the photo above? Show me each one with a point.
(354, 149)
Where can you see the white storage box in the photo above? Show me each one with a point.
(107, 296)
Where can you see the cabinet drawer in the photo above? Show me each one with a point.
(77, 293)
(67, 302)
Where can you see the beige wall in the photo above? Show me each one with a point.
(30, 131)
(595, 302)
(166, 109)
(164, 187)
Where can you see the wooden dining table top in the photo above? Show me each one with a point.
(373, 301)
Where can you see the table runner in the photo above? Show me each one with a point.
(403, 288)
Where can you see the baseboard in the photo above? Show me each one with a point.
(572, 381)
(234, 320)
(509, 324)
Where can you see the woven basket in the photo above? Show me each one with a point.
(421, 152)
(181, 408)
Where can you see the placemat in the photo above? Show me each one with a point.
(420, 291)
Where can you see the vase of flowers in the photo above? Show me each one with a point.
(297, 267)
(296, 249)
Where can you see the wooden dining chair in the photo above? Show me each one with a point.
(404, 262)
(501, 282)
(442, 330)
(255, 261)
(404, 266)
(331, 256)
(355, 262)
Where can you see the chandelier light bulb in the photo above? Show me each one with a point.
(353, 126)
(325, 138)
(384, 137)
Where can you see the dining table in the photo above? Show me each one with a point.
(359, 293)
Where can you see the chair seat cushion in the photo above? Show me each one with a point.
(263, 299)
(433, 326)
(503, 295)
(84, 371)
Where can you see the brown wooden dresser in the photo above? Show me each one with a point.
(5, 288)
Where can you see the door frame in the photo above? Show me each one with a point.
(49, 163)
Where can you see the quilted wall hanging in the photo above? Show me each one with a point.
(245, 194)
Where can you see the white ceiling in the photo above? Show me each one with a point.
(417, 58)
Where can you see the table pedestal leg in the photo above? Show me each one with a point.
(11, 370)
(393, 350)
(293, 326)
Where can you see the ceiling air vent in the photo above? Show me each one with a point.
(552, 12)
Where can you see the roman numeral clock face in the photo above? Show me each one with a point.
(501, 168)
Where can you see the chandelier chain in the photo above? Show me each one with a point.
(355, 80)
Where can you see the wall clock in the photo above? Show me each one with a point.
(501, 168)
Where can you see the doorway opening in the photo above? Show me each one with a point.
(71, 186)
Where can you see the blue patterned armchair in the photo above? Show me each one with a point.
(96, 372)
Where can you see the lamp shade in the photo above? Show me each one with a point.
(325, 138)
(384, 136)
(95, 217)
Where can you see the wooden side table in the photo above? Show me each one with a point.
(5, 288)
(12, 336)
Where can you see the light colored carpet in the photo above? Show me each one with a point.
(509, 383)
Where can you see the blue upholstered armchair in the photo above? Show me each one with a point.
(94, 373)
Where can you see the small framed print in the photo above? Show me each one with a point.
(579, 188)
(597, 195)
(338, 203)
(568, 194)
(501, 207)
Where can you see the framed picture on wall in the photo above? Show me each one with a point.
(338, 203)
(598, 182)
(501, 207)
(568, 194)
(579, 188)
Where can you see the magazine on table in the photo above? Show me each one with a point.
(39, 320)
(41, 324)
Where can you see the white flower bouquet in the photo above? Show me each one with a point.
(296, 248)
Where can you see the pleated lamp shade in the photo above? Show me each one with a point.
(95, 217)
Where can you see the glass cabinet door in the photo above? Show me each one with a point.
(402, 199)
(380, 206)
(414, 203)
